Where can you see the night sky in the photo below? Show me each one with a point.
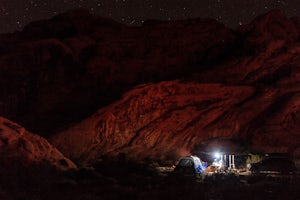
(14, 14)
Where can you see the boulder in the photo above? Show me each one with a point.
(22, 149)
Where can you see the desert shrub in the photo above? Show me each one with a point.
(253, 158)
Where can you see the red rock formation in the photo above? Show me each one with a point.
(157, 120)
(60, 70)
(170, 119)
(22, 149)
(275, 56)
(270, 27)
(240, 85)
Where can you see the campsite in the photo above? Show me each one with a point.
(120, 178)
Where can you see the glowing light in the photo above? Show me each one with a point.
(217, 155)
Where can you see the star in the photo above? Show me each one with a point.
(229, 12)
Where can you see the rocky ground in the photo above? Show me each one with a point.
(125, 180)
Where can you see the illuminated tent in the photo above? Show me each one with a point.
(190, 164)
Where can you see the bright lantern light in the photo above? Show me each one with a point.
(217, 155)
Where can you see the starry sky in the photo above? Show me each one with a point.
(15, 14)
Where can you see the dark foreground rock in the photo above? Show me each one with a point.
(134, 181)
(27, 162)
(22, 149)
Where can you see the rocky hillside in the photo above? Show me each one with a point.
(171, 119)
(157, 120)
(20, 149)
(249, 102)
(200, 84)
(61, 70)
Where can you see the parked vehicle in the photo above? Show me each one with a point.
(275, 164)
(190, 165)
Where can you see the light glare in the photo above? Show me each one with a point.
(217, 155)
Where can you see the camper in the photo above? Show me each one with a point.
(191, 165)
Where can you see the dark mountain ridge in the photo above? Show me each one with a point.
(63, 69)
(237, 85)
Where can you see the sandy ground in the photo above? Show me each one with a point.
(139, 181)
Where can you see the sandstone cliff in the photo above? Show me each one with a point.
(235, 88)
(172, 119)
(247, 102)
(61, 70)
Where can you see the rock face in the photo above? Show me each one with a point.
(171, 119)
(238, 89)
(267, 28)
(63, 69)
(157, 120)
(22, 149)
(249, 102)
